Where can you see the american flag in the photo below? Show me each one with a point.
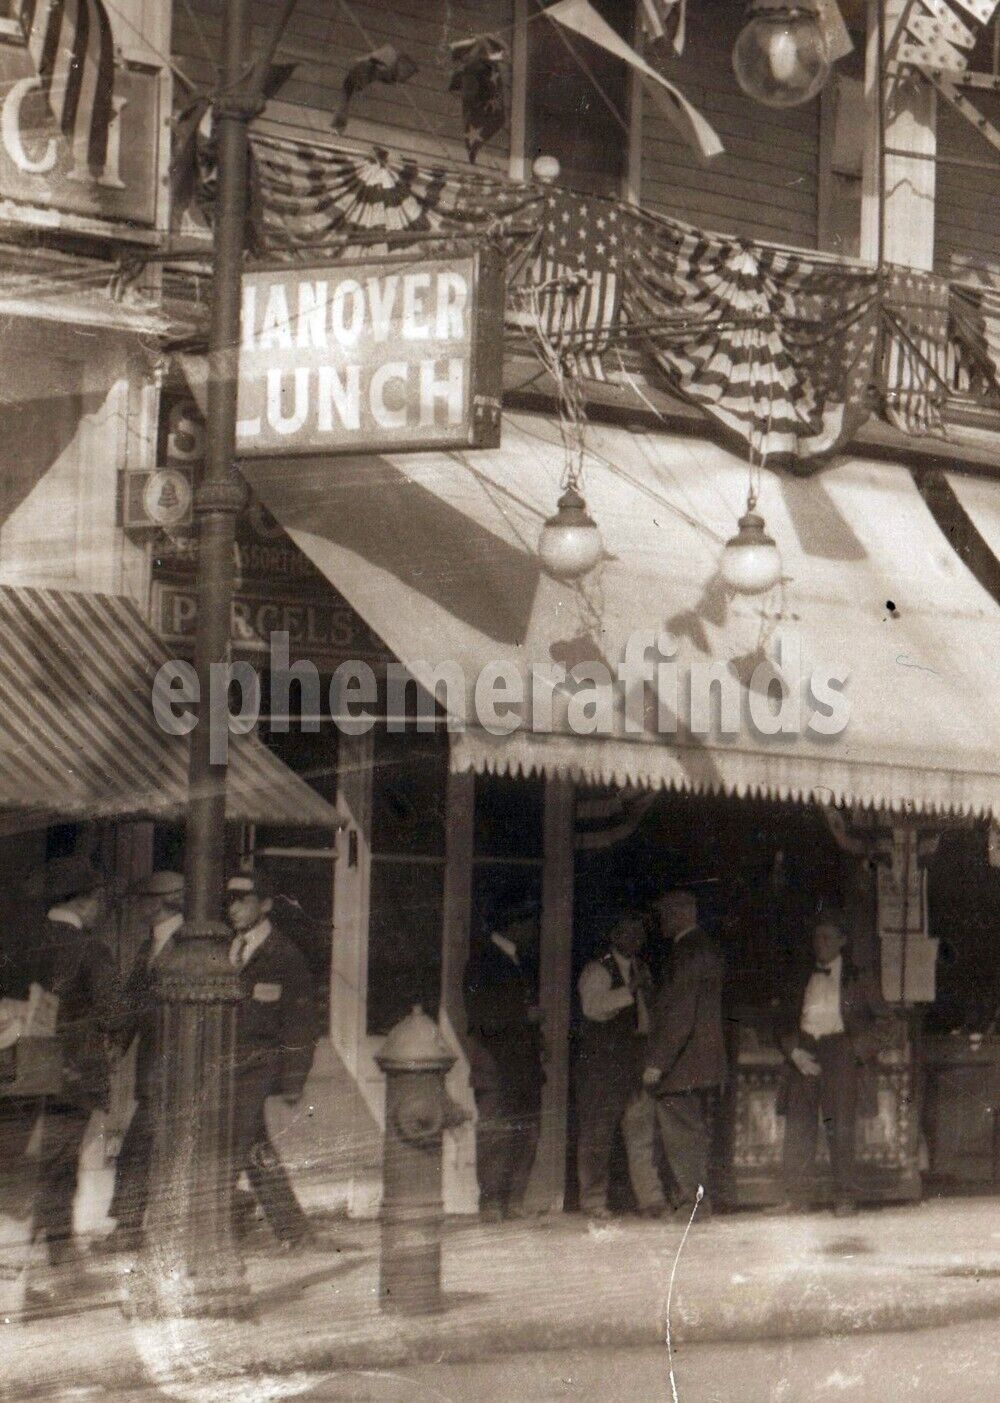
(71, 48)
(917, 360)
(575, 279)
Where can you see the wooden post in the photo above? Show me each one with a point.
(461, 1194)
(548, 1182)
(909, 117)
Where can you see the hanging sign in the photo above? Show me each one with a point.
(37, 167)
(387, 354)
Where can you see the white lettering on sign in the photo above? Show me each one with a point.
(355, 358)
(14, 130)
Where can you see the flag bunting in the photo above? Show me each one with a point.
(790, 352)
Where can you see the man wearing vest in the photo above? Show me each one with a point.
(686, 1061)
(128, 1203)
(275, 1039)
(615, 991)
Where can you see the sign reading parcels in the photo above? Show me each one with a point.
(370, 357)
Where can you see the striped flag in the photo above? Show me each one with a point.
(575, 278)
(606, 815)
(70, 45)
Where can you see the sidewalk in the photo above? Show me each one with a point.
(554, 1283)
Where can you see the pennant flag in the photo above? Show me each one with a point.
(477, 73)
(575, 280)
(71, 48)
(656, 15)
(383, 65)
(581, 17)
(838, 39)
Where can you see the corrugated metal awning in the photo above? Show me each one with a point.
(438, 552)
(77, 731)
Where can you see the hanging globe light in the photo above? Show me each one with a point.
(570, 544)
(751, 562)
(781, 57)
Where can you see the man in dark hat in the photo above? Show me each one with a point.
(128, 1203)
(505, 1056)
(275, 1039)
(835, 1022)
(686, 1058)
(72, 962)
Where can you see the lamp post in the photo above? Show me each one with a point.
(190, 1264)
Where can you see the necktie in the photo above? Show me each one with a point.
(641, 1009)
(238, 951)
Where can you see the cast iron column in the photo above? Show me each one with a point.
(191, 1264)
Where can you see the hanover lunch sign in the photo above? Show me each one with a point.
(368, 357)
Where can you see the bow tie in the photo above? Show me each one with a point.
(822, 969)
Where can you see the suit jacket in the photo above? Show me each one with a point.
(865, 1014)
(686, 1041)
(505, 1049)
(277, 1026)
(79, 969)
(139, 1017)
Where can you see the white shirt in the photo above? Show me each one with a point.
(248, 942)
(600, 1001)
(162, 931)
(821, 1012)
(66, 916)
(507, 946)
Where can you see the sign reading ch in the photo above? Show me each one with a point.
(370, 357)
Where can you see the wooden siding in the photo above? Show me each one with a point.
(765, 184)
(322, 38)
(967, 227)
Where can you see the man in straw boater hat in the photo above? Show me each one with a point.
(128, 1204)
(276, 1035)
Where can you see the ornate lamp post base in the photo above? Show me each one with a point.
(189, 1265)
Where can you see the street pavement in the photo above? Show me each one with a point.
(955, 1364)
(745, 1280)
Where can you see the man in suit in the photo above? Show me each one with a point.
(615, 994)
(505, 1056)
(72, 962)
(275, 1039)
(833, 1029)
(686, 1059)
(131, 1194)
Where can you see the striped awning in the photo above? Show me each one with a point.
(438, 552)
(77, 731)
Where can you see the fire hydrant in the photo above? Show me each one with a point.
(415, 1060)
